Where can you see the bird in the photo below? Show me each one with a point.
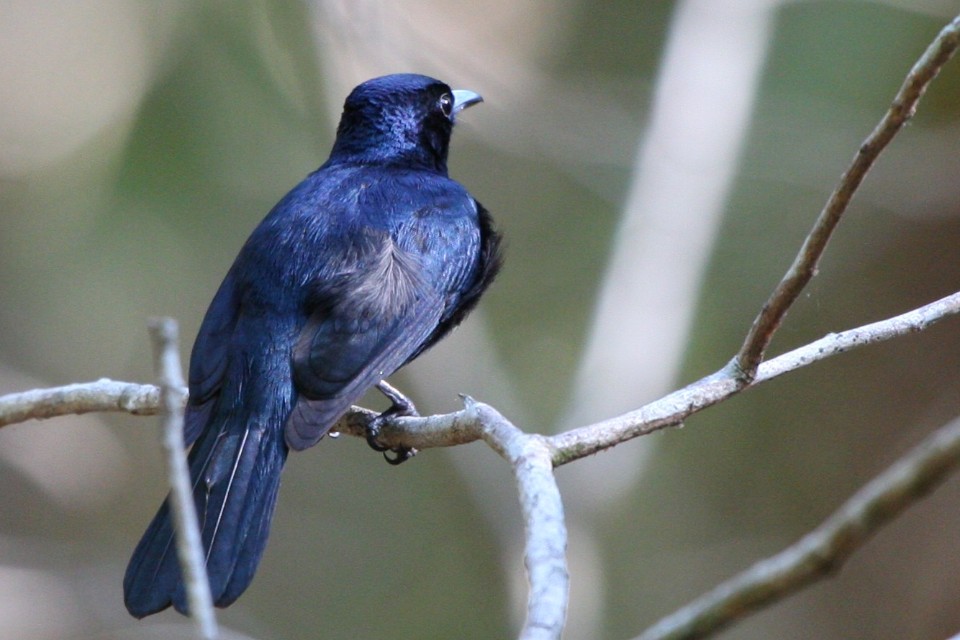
(359, 269)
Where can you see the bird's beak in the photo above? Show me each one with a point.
(463, 99)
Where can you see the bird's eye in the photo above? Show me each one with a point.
(446, 104)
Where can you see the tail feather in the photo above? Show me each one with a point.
(245, 548)
(236, 476)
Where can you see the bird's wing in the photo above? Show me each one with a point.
(365, 324)
(208, 361)
(470, 284)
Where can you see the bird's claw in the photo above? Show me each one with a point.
(400, 405)
(400, 454)
(373, 433)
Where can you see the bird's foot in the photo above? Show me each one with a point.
(400, 405)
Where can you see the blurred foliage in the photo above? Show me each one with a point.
(227, 105)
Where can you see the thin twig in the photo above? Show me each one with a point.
(73, 399)
(163, 332)
(823, 550)
(672, 409)
(804, 266)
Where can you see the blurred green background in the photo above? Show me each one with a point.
(654, 166)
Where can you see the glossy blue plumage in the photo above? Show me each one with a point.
(366, 263)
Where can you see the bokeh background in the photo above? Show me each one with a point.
(654, 166)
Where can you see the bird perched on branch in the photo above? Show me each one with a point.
(365, 264)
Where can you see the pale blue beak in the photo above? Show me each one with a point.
(463, 99)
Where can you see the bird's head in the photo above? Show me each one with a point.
(401, 119)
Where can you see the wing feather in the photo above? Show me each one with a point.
(366, 324)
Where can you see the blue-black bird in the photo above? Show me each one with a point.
(361, 267)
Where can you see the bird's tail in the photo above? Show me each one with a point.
(235, 467)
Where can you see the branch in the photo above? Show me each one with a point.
(672, 409)
(545, 548)
(804, 266)
(163, 333)
(85, 397)
(826, 548)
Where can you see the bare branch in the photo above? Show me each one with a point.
(85, 397)
(826, 548)
(546, 534)
(163, 332)
(804, 266)
(674, 408)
